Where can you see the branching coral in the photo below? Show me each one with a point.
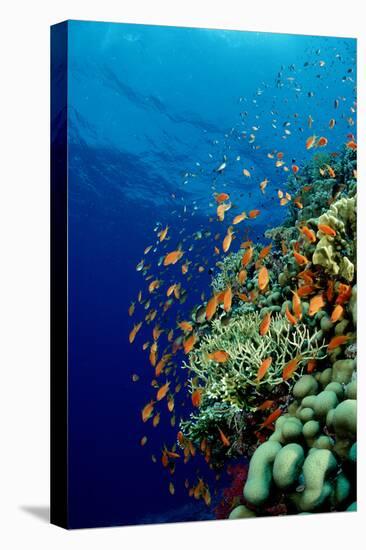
(228, 382)
(229, 269)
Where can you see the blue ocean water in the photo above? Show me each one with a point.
(152, 112)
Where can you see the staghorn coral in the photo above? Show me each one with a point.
(229, 268)
(247, 349)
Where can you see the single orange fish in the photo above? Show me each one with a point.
(263, 278)
(219, 356)
(221, 197)
(254, 213)
(331, 172)
(265, 324)
(189, 343)
(308, 233)
(310, 142)
(224, 439)
(295, 168)
(311, 365)
(332, 123)
(298, 203)
(173, 257)
(211, 308)
(163, 233)
(228, 296)
(239, 218)
(305, 290)
(300, 259)
(133, 332)
(161, 393)
(337, 313)
(291, 318)
(290, 367)
(337, 341)
(246, 244)
(263, 184)
(227, 240)
(271, 418)
(147, 411)
(243, 297)
(265, 405)
(242, 276)
(322, 142)
(351, 145)
(344, 293)
(316, 303)
(247, 256)
(196, 397)
(266, 363)
(264, 252)
(296, 305)
(131, 309)
(185, 326)
(327, 230)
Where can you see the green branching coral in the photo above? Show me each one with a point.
(229, 382)
(229, 269)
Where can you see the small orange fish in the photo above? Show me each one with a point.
(291, 318)
(254, 213)
(308, 233)
(221, 209)
(296, 305)
(305, 290)
(295, 168)
(351, 145)
(322, 142)
(284, 247)
(161, 393)
(265, 405)
(163, 233)
(185, 326)
(271, 418)
(298, 203)
(189, 343)
(133, 332)
(263, 184)
(173, 257)
(185, 268)
(211, 308)
(196, 397)
(246, 244)
(283, 201)
(266, 363)
(265, 324)
(306, 275)
(220, 356)
(247, 256)
(316, 303)
(263, 278)
(221, 197)
(344, 293)
(147, 411)
(311, 366)
(227, 240)
(131, 309)
(337, 341)
(246, 173)
(239, 218)
(224, 439)
(242, 276)
(337, 313)
(243, 297)
(332, 123)
(264, 252)
(228, 296)
(310, 142)
(156, 420)
(300, 259)
(327, 230)
(290, 367)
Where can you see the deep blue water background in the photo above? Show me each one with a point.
(146, 104)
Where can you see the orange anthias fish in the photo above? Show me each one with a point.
(161, 393)
(296, 305)
(163, 233)
(221, 209)
(331, 172)
(185, 326)
(239, 218)
(327, 230)
(308, 233)
(310, 142)
(265, 324)
(300, 259)
(228, 239)
(221, 197)
(211, 308)
(295, 168)
(219, 356)
(271, 418)
(305, 290)
(337, 313)
(311, 365)
(265, 405)
(351, 145)
(263, 184)
(228, 296)
(189, 343)
(247, 256)
(254, 213)
(173, 257)
(242, 276)
(224, 439)
(131, 309)
(133, 332)
(344, 293)
(290, 367)
(266, 363)
(316, 303)
(322, 142)
(337, 341)
(196, 397)
(147, 411)
(263, 278)
(291, 318)
(264, 252)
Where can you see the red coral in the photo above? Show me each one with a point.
(233, 495)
